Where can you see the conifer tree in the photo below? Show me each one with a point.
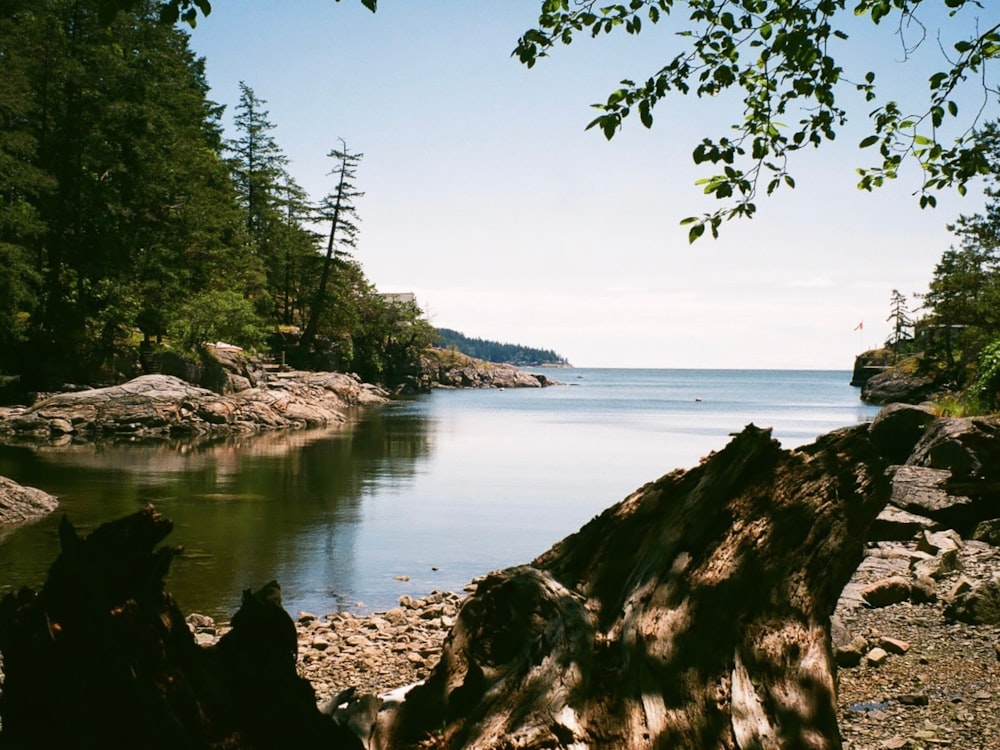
(339, 210)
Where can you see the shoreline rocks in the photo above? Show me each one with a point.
(371, 653)
(159, 405)
(20, 504)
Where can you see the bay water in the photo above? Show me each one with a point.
(422, 494)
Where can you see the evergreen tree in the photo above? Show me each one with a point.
(258, 167)
(22, 183)
(125, 202)
(339, 210)
(296, 272)
(899, 316)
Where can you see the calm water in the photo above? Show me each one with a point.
(440, 489)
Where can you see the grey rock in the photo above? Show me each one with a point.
(921, 490)
(155, 405)
(936, 542)
(850, 654)
(19, 504)
(939, 566)
(923, 590)
(894, 385)
(978, 606)
(876, 657)
(894, 645)
(967, 447)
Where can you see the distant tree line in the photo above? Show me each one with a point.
(128, 220)
(494, 351)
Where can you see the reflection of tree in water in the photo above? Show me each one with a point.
(246, 508)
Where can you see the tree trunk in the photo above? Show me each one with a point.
(693, 614)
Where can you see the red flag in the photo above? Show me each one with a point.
(860, 326)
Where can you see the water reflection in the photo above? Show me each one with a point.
(245, 508)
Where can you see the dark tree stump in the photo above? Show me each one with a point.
(693, 614)
(101, 658)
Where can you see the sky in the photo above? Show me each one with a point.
(487, 198)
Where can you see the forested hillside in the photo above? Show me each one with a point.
(127, 219)
(494, 351)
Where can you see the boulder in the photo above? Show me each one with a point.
(895, 525)
(923, 491)
(897, 428)
(988, 531)
(979, 605)
(19, 504)
(968, 447)
(444, 368)
(887, 591)
(897, 385)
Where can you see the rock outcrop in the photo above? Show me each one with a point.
(19, 504)
(950, 476)
(883, 380)
(896, 385)
(445, 368)
(155, 405)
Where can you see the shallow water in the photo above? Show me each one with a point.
(438, 489)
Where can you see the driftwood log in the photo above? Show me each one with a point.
(101, 658)
(693, 614)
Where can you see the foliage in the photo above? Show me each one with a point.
(986, 389)
(902, 323)
(779, 56)
(172, 11)
(122, 209)
(494, 351)
(216, 315)
(273, 205)
(961, 324)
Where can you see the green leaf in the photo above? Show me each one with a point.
(696, 231)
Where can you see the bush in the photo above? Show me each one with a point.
(987, 383)
(218, 316)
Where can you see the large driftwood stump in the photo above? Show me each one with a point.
(693, 614)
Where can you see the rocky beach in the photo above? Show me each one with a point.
(915, 634)
(910, 676)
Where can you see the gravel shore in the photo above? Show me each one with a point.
(936, 686)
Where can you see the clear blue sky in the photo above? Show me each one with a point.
(487, 198)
